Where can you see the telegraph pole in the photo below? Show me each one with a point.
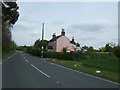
(42, 40)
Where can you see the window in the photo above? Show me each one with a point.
(72, 46)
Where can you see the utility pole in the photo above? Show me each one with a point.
(42, 40)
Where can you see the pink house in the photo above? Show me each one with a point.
(61, 43)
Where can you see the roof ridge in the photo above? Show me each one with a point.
(54, 39)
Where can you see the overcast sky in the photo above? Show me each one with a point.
(91, 23)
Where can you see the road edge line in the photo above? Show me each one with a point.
(8, 58)
(86, 74)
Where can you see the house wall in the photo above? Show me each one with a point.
(62, 42)
(71, 47)
(53, 44)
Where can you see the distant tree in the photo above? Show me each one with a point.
(116, 50)
(77, 44)
(102, 49)
(64, 49)
(85, 47)
(111, 44)
(108, 48)
(38, 44)
(90, 48)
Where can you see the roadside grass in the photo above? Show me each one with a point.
(89, 63)
(7, 54)
(90, 67)
(110, 64)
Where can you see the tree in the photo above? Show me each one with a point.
(102, 49)
(9, 11)
(77, 44)
(90, 49)
(85, 47)
(38, 44)
(117, 50)
(9, 17)
(64, 49)
(108, 48)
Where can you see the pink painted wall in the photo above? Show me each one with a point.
(62, 42)
(71, 47)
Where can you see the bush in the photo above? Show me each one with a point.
(98, 55)
(36, 52)
(107, 61)
(117, 51)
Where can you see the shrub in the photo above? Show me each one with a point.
(117, 51)
(36, 51)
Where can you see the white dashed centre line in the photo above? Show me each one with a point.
(40, 71)
(36, 67)
(57, 82)
(25, 58)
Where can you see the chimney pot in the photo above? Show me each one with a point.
(54, 35)
(63, 32)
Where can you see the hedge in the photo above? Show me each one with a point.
(57, 55)
(69, 55)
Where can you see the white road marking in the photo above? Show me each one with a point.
(40, 71)
(36, 67)
(10, 56)
(85, 74)
(25, 58)
(57, 82)
(52, 63)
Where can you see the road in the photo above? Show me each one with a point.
(24, 71)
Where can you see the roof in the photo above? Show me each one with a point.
(72, 42)
(55, 38)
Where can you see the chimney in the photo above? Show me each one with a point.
(73, 39)
(54, 35)
(63, 32)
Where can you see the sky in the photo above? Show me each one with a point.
(90, 23)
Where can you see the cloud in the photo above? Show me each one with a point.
(58, 22)
(88, 27)
(98, 25)
(23, 25)
(93, 33)
(27, 26)
(35, 33)
(26, 32)
(88, 38)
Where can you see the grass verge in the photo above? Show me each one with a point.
(7, 54)
(78, 65)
